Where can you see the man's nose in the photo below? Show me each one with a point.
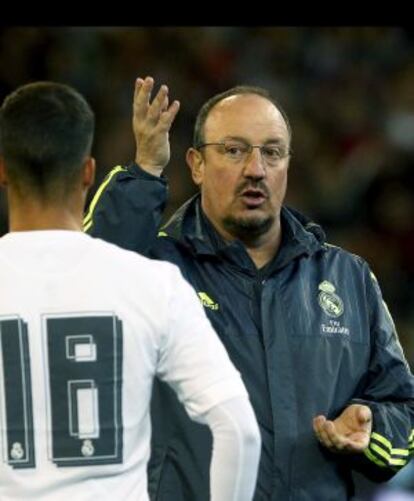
(255, 166)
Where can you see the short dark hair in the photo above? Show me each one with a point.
(198, 136)
(46, 131)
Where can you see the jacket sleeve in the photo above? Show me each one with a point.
(127, 208)
(389, 392)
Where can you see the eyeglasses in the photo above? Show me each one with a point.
(240, 151)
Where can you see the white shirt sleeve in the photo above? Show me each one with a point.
(192, 359)
(236, 450)
(194, 362)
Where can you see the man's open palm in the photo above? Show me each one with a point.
(349, 432)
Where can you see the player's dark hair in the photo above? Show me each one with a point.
(46, 132)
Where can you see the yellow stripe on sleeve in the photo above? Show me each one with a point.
(382, 439)
(387, 452)
(373, 458)
(87, 221)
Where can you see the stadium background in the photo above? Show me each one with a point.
(348, 91)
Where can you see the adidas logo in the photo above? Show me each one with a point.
(207, 301)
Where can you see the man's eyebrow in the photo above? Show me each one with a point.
(272, 140)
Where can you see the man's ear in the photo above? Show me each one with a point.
(3, 173)
(195, 161)
(88, 175)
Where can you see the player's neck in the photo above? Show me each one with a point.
(30, 213)
(31, 216)
(47, 220)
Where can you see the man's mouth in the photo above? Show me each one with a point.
(252, 197)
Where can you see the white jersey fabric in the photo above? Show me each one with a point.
(84, 328)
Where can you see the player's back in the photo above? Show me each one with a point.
(81, 327)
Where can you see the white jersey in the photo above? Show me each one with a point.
(84, 328)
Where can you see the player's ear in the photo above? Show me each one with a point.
(3, 173)
(195, 161)
(88, 173)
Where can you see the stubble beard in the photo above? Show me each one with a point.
(248, 229)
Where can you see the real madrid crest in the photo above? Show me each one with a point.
(87, 448)
(330, 302)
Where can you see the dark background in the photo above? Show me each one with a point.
(348, 91)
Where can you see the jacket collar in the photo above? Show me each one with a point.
(188, 227)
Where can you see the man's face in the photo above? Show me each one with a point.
(242, 193)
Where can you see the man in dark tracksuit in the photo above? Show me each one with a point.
(303, 321)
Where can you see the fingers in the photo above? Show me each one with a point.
(156, 112)
(142, 96)
(158, 104)
(167, 117)
(320, 426)
(318, 422)
(328, 435)
(337, 441)
(164, 106)
(364, 415)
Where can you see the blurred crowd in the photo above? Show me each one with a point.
(348, 92)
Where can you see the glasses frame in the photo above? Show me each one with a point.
(249, 150)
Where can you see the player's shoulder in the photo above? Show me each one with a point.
(131, 261)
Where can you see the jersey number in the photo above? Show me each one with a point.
(83, 387)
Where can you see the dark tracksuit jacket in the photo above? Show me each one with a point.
(309, 333)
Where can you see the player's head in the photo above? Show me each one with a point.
(46, 134)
